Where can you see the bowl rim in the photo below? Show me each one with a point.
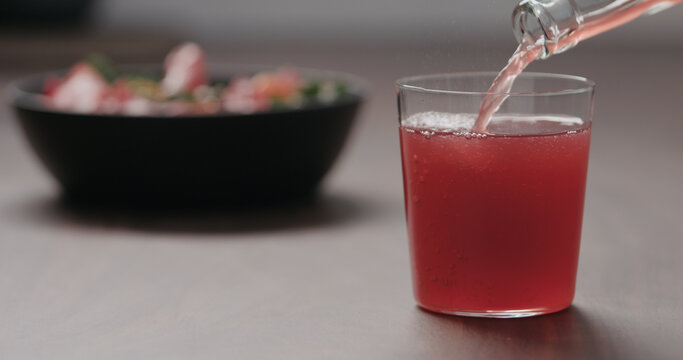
(20, 98)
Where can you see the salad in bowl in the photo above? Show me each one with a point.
(178, 133)
(97, 85)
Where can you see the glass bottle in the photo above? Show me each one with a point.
(559, 25)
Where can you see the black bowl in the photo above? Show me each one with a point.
(222, 158)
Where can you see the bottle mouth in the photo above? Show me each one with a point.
(528, 21)
(547, 24)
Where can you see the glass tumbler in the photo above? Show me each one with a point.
(494, 218)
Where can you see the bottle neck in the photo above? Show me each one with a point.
(559, 25)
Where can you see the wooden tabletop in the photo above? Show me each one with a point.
(331, 280)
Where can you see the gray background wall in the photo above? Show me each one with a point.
(395, 21)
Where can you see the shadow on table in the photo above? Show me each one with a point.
(321, 211)
(569, 334)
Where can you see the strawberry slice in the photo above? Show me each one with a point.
(51, 84)
(241, 96)
(116, 96)
(82, 90)
(279, 84)
(185, 69)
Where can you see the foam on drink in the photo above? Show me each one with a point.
(500, 124)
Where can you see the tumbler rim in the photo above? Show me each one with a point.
(583, 85)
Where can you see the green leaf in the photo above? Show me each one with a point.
(142, 77)
(278, 104)
(104, 65)
(311, 89)
(186, 96)
(342, 89)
